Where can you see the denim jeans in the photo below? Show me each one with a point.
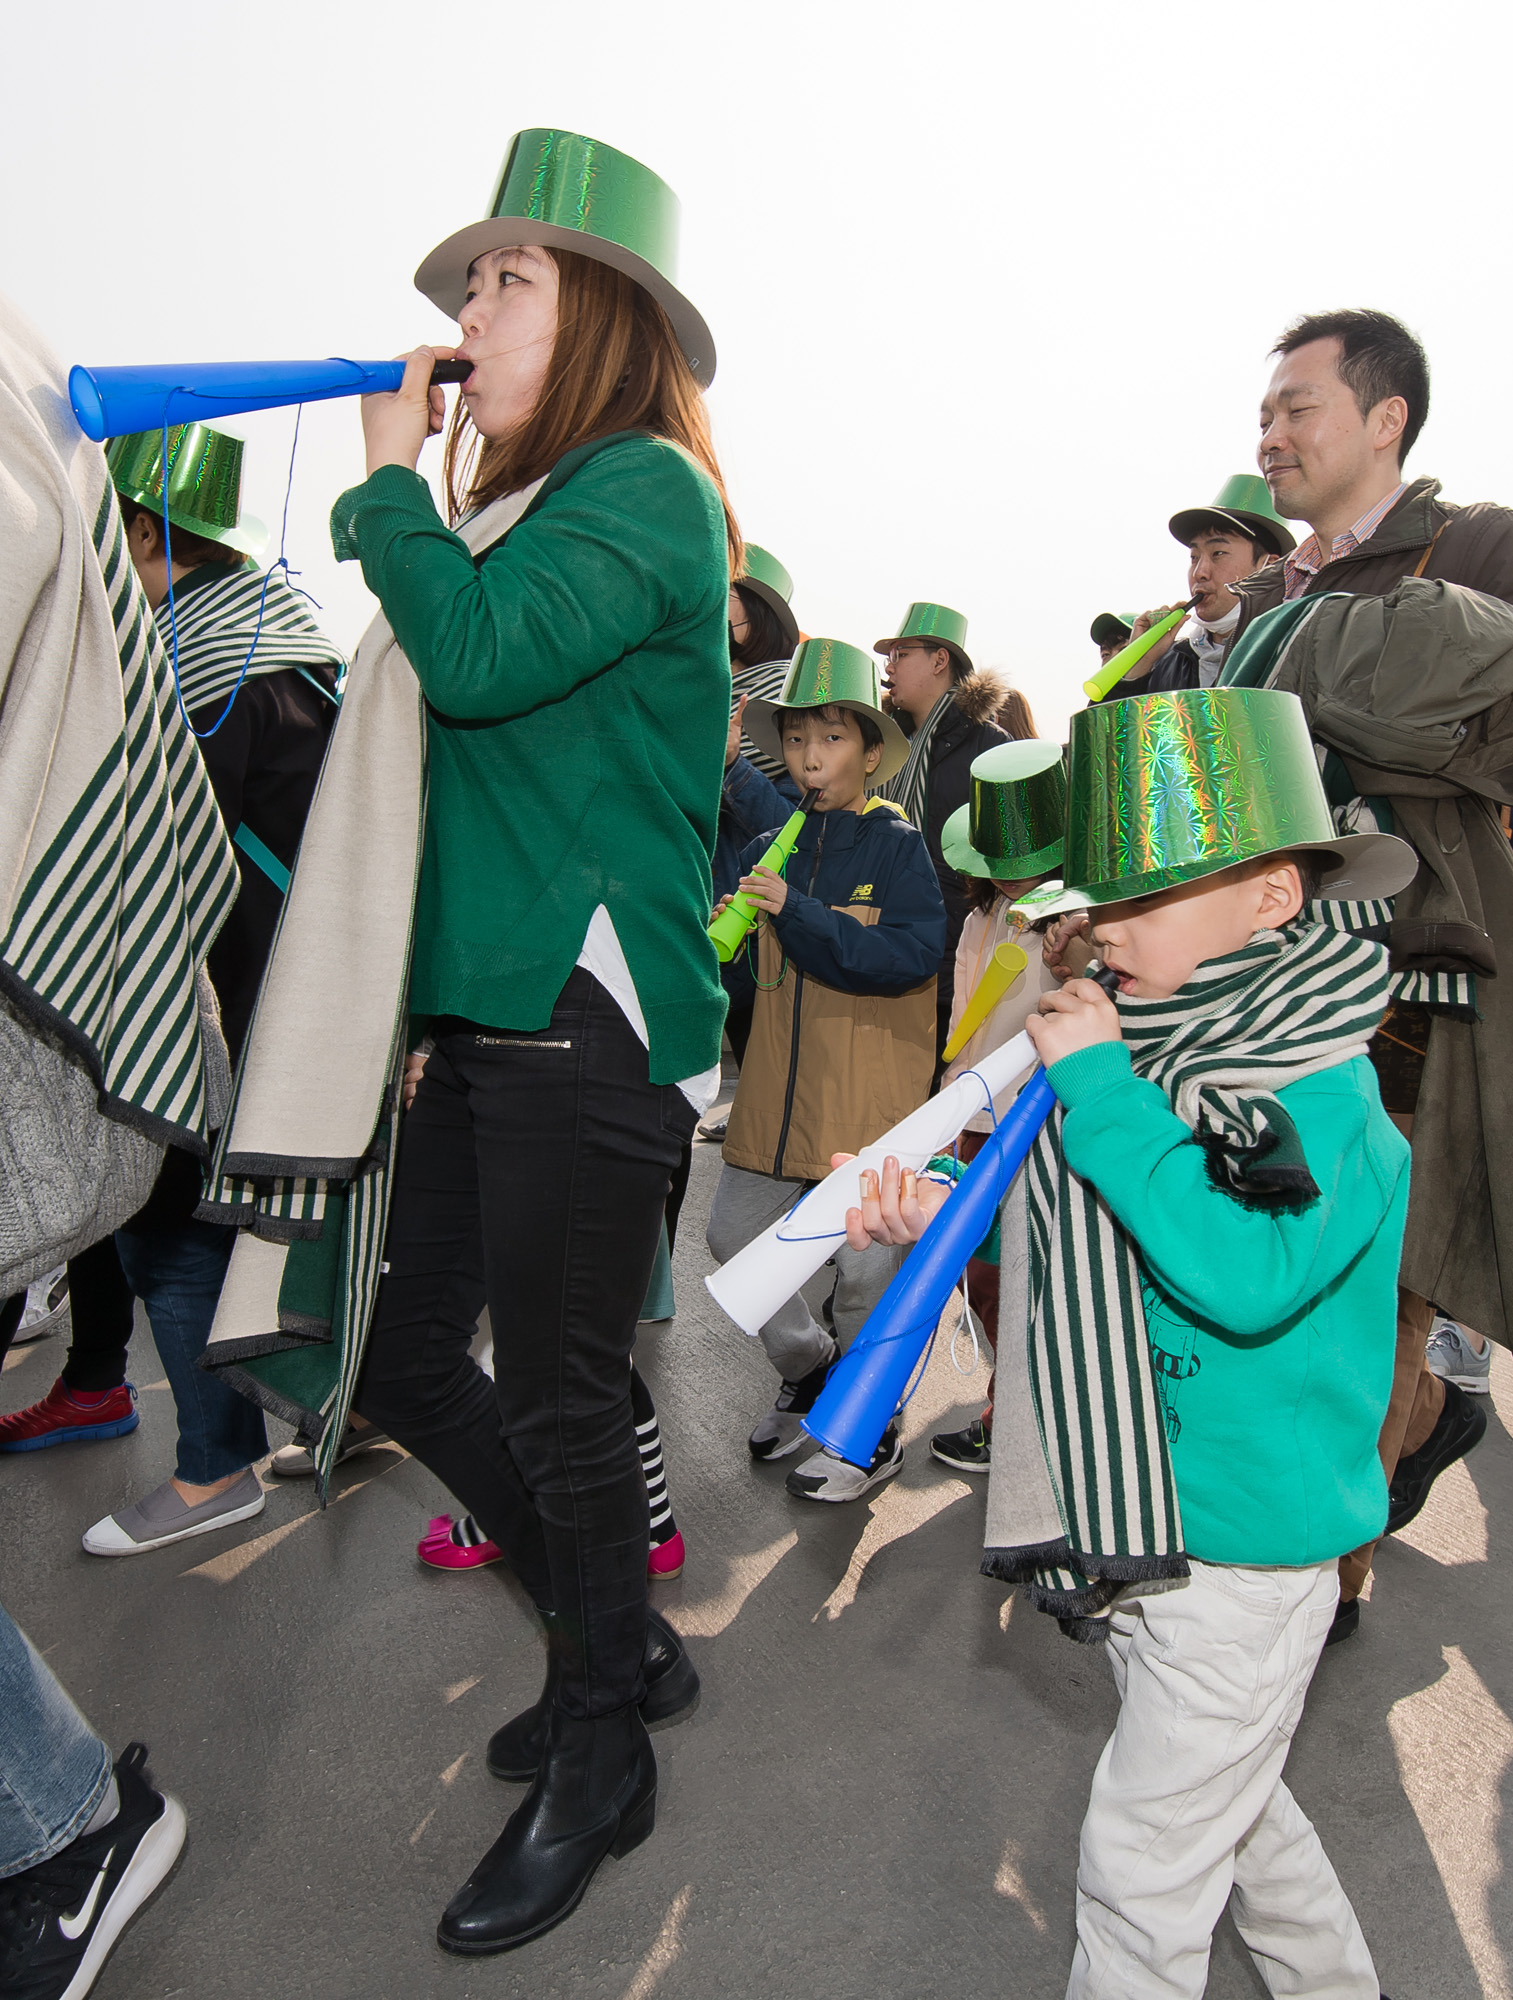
(177, 1273)
(53, 1767)
(532, 1175)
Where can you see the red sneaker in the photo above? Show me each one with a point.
(70, 1416)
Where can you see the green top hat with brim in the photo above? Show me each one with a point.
(1167, 788)
(936, 623)
(827, 673)
(568, 192)
(1112, 628)
(765, 577)
(1013, 824)
(1243, 502)
(204, 494)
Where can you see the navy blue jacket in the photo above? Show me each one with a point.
(749, 801)
(839, 856)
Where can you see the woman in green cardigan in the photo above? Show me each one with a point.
(577, 688)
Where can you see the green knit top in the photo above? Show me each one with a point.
(577, 687)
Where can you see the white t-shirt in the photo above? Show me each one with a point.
(604, 957)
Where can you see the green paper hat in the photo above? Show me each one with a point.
(204, 482)
(569, 192)
(1112, 628)
(1167, 788)
(1243, 502)
(933, 621)
(828, 673)
(1013, 825)
(765, 577)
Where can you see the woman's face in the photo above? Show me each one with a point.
(509, 325)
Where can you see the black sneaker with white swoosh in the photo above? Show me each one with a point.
(59, 1920)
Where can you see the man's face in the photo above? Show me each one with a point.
(1218, 557)
(1316, 448)
(916, 676)
(1109, 647)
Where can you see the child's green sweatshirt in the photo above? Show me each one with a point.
(1273, 1333)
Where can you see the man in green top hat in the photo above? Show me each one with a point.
(1208, 1230)
(947, 705)
(1239, 533)
(258, 682)
(1110, 633)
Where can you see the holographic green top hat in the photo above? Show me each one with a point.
(1243, 502)
(765, 577)
(1167, 788)
(1112, 628)
(1013, 825)
(204, 482)
(933, 621)
(569, 192)
(827, 673)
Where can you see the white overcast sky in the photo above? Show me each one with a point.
(992, 285)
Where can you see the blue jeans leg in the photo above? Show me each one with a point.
(177, 1274)
(53, 1767)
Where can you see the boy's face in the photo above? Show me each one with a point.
(824, 752)
(1157, 943)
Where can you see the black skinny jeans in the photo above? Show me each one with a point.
(532, 1174)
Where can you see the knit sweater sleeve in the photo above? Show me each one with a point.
(614, 555)
(1247, 1271)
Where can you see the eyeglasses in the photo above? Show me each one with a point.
(908, 646)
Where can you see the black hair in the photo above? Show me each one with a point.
(1379, 358)
(1310, 865)
(188, 548)
(766, 640)
(872, 736)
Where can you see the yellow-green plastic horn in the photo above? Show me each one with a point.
(728, 931)
(1110, 676)
(1003, 968)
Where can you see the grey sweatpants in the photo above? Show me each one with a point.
(744, 1205)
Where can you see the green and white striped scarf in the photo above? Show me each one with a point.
(1083, 1501)
(216, 623)
(115, 869)
(910, 787)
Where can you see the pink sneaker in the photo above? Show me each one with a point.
(666, 1561)
(437, 1548)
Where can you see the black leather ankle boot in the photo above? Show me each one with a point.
(595, 1794)
(672, 1684)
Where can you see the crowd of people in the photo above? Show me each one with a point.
(341, 1002)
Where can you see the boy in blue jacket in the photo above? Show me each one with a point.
(843, 1034)
(1204, 1247)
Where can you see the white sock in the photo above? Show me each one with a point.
(103, 1813)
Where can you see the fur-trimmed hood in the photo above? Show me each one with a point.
(979, 697)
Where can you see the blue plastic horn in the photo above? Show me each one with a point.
(114, 402)
(854, 1408)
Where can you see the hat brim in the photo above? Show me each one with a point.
(760, 722)
(1107, 627)
(247, 536)
(775, 602)
(1367, 867)
(1255, 527)
(959, 853)
(443, 275)
(927, 639)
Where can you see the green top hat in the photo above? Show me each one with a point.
(828, 673)
(1243, 502)
(568, 192)
(1167, 788)
(933, 621)
(204, 482)
(765, 577)
(1112, 628)
(1013, 825)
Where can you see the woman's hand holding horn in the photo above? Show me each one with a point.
(396, 426)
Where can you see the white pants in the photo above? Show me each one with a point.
(1188, 1810)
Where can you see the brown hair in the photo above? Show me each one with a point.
(616, 366)
(187, 548)
(1014, 717)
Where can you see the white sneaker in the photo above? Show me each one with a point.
(1452, 1357)
(164, 1517)
(782, 1429)
(46, 1307)
(827, 1477)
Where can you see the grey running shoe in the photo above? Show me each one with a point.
(296, 1462)
(714, 1129)
(782, 1429)
(163, 1518)
(970, 1450)
(826, 1477)
(1452, 1357)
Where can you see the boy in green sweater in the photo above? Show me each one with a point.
(1204, 1243)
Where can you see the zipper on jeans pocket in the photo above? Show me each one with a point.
(517, 1042)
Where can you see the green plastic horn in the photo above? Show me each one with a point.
(728, 931)
(1111, 675)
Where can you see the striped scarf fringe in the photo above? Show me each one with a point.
(1290, 1004)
